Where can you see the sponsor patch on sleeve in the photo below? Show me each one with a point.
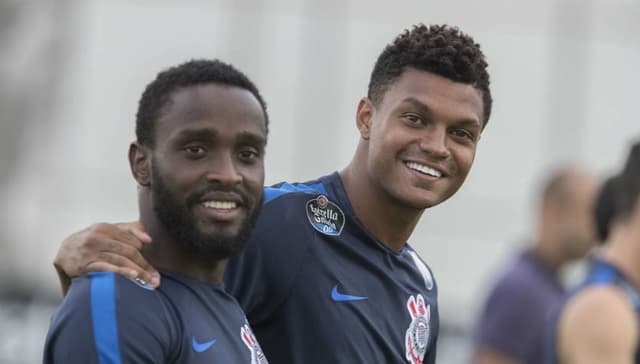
(325, 216)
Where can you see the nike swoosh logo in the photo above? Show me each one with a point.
(339, 297)
(200, 347)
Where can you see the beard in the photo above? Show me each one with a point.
(180, 223)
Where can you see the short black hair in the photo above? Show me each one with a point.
(605, 208)
(440, 49)
(192, 73)
(629, 185)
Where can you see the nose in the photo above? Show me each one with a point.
(222, 170)
(434, 142)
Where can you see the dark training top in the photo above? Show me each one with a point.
(108, 319)
(318, 287)
(600, 273)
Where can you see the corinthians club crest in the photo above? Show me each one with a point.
(417, 336)
(257, 356)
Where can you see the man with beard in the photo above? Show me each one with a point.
(201, 131)
(328, 276)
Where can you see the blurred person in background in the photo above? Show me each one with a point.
(198, 160)
(511, 327)
(328, 276)
(600, 321)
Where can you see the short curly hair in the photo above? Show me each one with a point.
(156, 95)
(439, 49)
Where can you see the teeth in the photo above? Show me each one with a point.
(222, 205)
(424, 169)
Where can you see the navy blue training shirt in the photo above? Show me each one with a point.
(600, 273)
(108, 319)
(318, 287)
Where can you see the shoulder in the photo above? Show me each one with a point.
(288, 204)
(276, 191)
(277, 249)
(106, 313)
(98, 290)
(424, 269)
(115, 298)
(600, 322)
(515, 282)
(515, 291)
(284, 220)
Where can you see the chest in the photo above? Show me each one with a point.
(211, 331)
(361, 298)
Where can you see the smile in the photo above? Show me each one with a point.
(423, 169)
(219, 205)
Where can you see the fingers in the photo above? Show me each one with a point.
(102, 266)
(137, 230)
(111, 262)
(141, 235)
(123, 235)
(68, 258)
(108, 247)
(132, 257)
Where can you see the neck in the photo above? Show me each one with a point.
(547, 257)
(391, 223)
(547, 247)
(168, 254)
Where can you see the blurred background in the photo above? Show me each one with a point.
(564, 80)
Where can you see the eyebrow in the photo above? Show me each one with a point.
(203, 134)
(252, 138)
(423, 108)
(417, 104)
(197, 134)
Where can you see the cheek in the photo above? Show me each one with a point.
(183, 176)
(465, 158)
(254, 177)
(388, 144)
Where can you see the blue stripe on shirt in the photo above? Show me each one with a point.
(271, 193)
(103, 313)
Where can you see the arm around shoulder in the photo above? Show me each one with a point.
(597, 326)
(104, 247)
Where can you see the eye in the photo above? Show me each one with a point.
(194, 151)
(412, 119)
(463, 134)
(248, 154)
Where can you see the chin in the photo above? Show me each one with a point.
(217, 248)
(423, 199)
(416, 202)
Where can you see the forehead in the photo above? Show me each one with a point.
(584, 185)
(214, 106)
(443, 96)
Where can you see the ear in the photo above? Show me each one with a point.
(364, 116)
(140, 163)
